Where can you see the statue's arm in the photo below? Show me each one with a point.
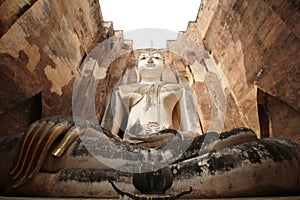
(114, 113)
(118, 114)
(189, 119)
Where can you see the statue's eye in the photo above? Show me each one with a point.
(157, 56)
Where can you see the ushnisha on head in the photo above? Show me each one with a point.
(150, 66)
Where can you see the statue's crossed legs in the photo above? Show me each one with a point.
(233, 163)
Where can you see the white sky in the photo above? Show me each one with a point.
(131, 16)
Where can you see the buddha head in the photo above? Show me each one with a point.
(150, 66)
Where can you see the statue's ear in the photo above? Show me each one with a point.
(138, 77)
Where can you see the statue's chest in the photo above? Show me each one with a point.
(155, 95)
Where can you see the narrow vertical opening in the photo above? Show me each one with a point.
(263, 113)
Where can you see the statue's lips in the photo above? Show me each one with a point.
(150, 65)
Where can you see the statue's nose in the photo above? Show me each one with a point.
(150, 60)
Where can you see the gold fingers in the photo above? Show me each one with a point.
(34, 147)
(32, 152)
(26, 142)
(53, 134)
(68, 139)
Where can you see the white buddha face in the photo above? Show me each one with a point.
(150, 65)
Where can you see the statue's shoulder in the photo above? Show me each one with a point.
(127, 90)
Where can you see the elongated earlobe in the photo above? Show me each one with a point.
(138, 77)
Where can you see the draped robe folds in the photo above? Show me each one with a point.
(150, 108)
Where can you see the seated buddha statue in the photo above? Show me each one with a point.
(62, 156)
(152, 105)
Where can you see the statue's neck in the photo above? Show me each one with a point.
(150, 80)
